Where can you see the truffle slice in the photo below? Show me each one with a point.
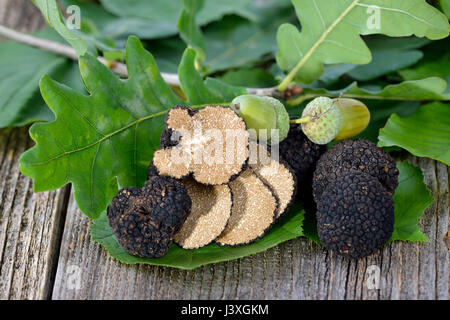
(276, 173)
(210, 143)
(211, 209)
(253, 211)
(355, 215)
(355, 155)
(144, 220)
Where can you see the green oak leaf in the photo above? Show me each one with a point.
(389, 55)
(445, 5)
(287, 228)
(236, 42)
(432, 88)
(158, 18)
(426, 133)
(436, 63)
(106, 140)
(21, 67)
(407, 209)
(203, 92)
(189, 30)
(52, 15)
(331, 32)
(249, 78)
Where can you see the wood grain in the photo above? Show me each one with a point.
(45, 253)
(298, 269)
(30, 225)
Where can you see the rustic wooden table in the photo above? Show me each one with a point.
(46, 253)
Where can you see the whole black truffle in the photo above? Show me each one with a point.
(355, 215)
(355, 155)
(144, 220)
(300, 153)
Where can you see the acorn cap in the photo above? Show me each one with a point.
(253, 212)
(324, 120)
(201, 145)
(211, 209)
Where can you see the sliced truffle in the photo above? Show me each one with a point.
(253, 211)
(355, 215)
(211, 209)
(210, 143)
(144, 220)
(355, 155)
(276, 173)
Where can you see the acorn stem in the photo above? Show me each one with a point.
(301, 120)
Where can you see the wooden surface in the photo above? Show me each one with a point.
(46, 252)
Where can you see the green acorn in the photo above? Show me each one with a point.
(324, 119)
(262, 113)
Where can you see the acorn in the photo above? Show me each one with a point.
(263, 115)
(324, 120)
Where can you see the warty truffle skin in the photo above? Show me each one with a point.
(144, 220)
(355, 215)
(300, 153)
(355, 155)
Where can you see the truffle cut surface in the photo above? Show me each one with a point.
(276, 173)
(211, 144)
(253, 211)
(211, 209)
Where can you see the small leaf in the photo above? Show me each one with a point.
(249, 78)
(21, 67)
(158, 18)
(426, 133)
(51, 13)
(288, 228)
(235, 42)
(189, 30)
(389, 55)
(436, 63)
(331, 32)
(199, 92)
(408, 209)
(445, 5)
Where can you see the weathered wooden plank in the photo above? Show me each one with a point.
(298, 269)
(30, 224)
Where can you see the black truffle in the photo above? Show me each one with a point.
(355, 155)
(355, 215)
(144, 220)
(300, 153)
(152, 171)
